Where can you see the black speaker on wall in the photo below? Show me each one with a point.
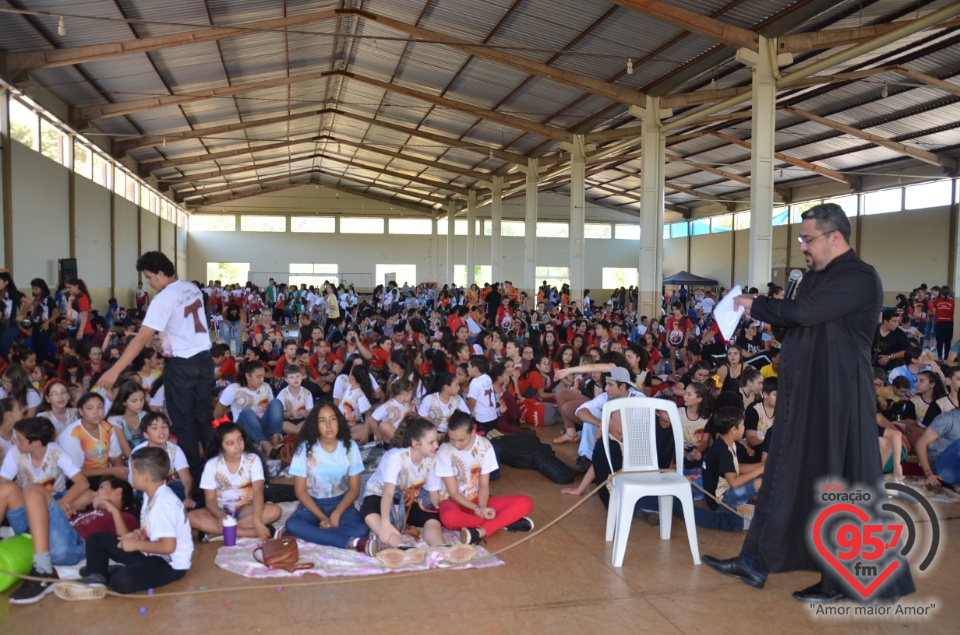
(67, 268)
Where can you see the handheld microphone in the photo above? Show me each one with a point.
(795, 276)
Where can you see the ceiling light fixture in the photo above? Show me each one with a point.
(885, 92)
(61, 27)
(629, 66)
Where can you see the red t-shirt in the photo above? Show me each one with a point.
(100, 520)
(677, 331)
(228, 369)
(380, 358)
(944, 309)
(83, 305)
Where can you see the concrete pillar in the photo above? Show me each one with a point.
(578, 177)
(529, 278)
(496, 215)
(764, 63)
(6, 178)
(652, 162)
(471, 237)
(451, 216)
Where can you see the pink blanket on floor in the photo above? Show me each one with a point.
(328, 561)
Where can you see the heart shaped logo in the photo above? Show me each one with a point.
(829, 556)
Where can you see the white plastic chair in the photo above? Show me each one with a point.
(640, 476)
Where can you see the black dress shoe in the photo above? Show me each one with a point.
(582, 465)
(734, 568)
(815, 595)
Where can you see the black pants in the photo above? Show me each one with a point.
(141, 571)
(188, 383)
(944, 333)
(41, 344)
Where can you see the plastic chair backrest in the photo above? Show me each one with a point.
(638, 417)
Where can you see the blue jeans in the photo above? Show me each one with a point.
(7, 337)
(262, 429)
(305, 526)
(231, 331)
(947, 466)
(740, 495)
(66, 545)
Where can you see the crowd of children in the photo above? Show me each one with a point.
(310, 375)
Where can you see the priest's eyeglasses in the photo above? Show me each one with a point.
(806, 240)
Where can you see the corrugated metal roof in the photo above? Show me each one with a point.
(534, 29)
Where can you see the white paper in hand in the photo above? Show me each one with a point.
(726, 316)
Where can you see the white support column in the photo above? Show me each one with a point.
(451, 215)
(496, 214)
(652, 162)
(529, 279)
(764, 63)
(578, 177)
(436, 266)
(471, 237)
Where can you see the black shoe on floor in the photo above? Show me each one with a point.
(582, 465)
(816, 595)
(524, 524)
(470, 536)
(32, 591)
(734, 568)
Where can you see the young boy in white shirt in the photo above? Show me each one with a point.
(480, 397)
(159, 552)
(297, 400)
(34, 495)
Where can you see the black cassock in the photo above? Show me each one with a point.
(826, 408)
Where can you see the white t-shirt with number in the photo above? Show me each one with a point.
(434, 410)
(163, 516)
(467, 465)
(52, 474)
(177, 314)
(481, 389)
(234, 489)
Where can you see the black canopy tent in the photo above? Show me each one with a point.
(688, 279)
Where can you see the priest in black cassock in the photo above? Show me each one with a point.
(826, 407)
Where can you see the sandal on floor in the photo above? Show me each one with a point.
(566, 438)
(456, 555)
(399, 558)
(76, 590)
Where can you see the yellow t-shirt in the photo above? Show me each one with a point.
(767, 371)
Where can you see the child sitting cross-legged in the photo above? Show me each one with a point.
(723, 476)
(408, 472)
(465, 463)
(35, 499)
(232, 484)
(155, 430)
(159, 552)
(326, 470)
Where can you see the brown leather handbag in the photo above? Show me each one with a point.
(281, 553)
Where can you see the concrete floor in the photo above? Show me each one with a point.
(561, 581)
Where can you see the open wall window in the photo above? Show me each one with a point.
(313, 274)
(616, 277)
(229, 272)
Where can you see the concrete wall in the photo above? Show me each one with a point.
(906, 248)
(40, 222)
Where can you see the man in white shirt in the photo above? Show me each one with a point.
(176, 312)
(617, 386)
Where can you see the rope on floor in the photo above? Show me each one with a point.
(325, 581)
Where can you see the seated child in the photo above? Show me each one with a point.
(33, 495)
(465, 463)
(232, 484)
(387, 416)
(92, 443)
(159, 552)
(408, 469)
(759, 417)
(326, 470)
(112, 510)
(296, 400)
(155, 429)
(723, 476)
